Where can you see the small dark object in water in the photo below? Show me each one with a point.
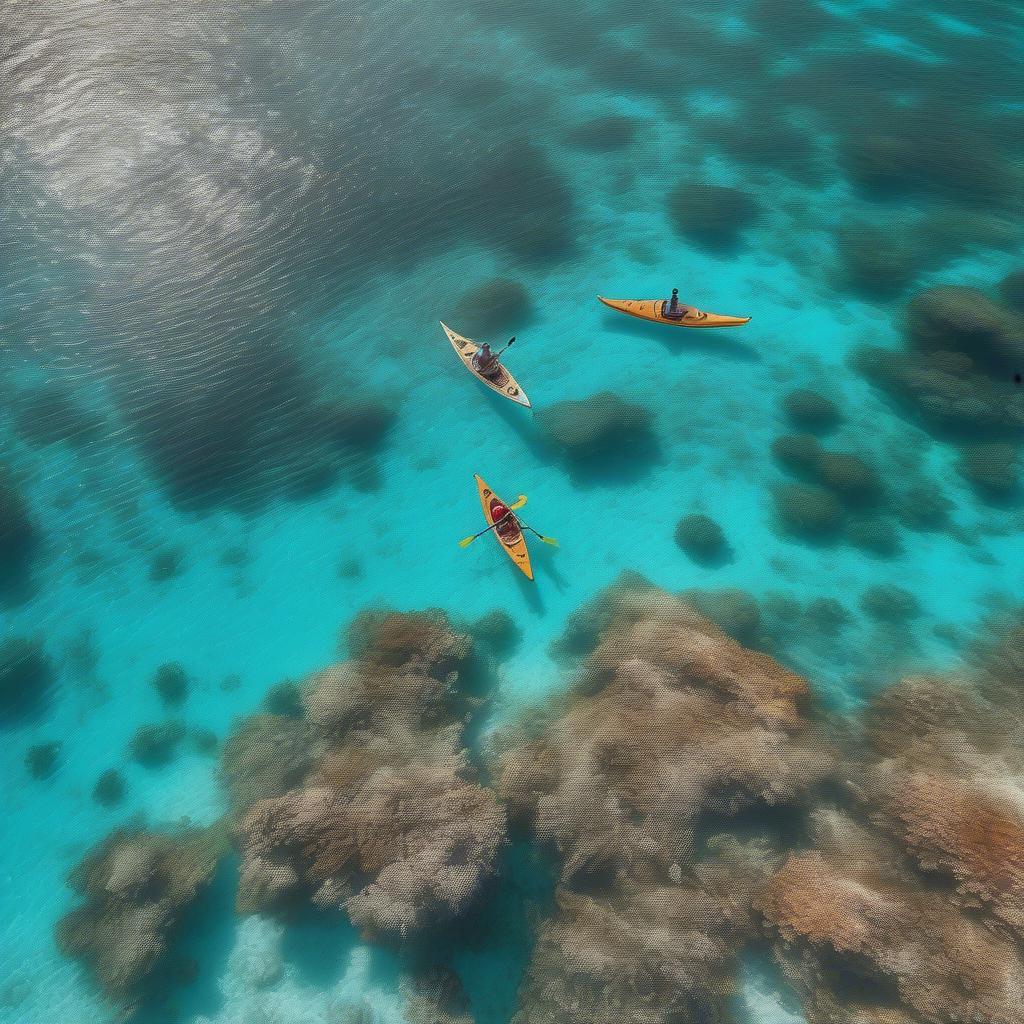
(42, 759)
(204, 741)
(155, 745)
(701, 537)
(889, 603)
(284, 698)
(109, 789)
(171, 682)
(166, 565)
(26, 675)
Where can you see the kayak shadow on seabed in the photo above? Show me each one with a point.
(720, 341)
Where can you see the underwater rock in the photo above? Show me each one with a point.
(874, 535)
(992, 467)
(854, 929)
(42, 759)
(810, 410)
(110, 788)
(496, 305)
(799, 453)
(171, 684)
(19, 539)
(887, 602)
(923, 506)
(827, 615)
(497, 632)
(957, 371)
(603, 134)
(27, 676)
(155, 745)
(1011, 291)
(701, 538)
(387, 822)
(265, 756)
(965, 320)
(602, 431)
(712, 215)
(136, 888)
(848, 475)
(808, 511)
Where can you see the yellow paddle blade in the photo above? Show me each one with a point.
(551, 541)
(519, 503)
(466, 541)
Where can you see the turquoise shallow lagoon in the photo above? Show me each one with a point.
(231, 420)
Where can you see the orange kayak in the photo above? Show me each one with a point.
(651, 309)
(509, 534)
(503, 382)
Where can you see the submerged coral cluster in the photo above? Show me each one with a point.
(137, 886)
(694, 801)
(369, 802)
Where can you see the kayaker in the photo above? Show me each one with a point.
(485, 361)
(672, 308)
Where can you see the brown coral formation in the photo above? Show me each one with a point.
(672, 725)
(137, 886)
(387, 820)
(910, 904)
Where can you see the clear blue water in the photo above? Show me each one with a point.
(217, 226)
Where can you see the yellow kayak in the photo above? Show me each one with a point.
(651, 309)
(509, 534)
(503, 382)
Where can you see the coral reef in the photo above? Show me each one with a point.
(110, 788)
(171, 684)
(155, 744)
(701, 538)
(848, 475)
(810, 410)
(42, 759)
(671, 727)
(992, 467)
(137, 886)
(808, 511)
(956, 372)
(600, 434)
(27, 676)
(714, 216)
(264, 756)
(496, 632)
(496, 305)
(889, 603)
(387, 822)
(166, 565)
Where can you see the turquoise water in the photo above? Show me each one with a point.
(228, 240)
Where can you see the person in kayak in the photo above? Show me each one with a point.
(487, 362)
(672, 308)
